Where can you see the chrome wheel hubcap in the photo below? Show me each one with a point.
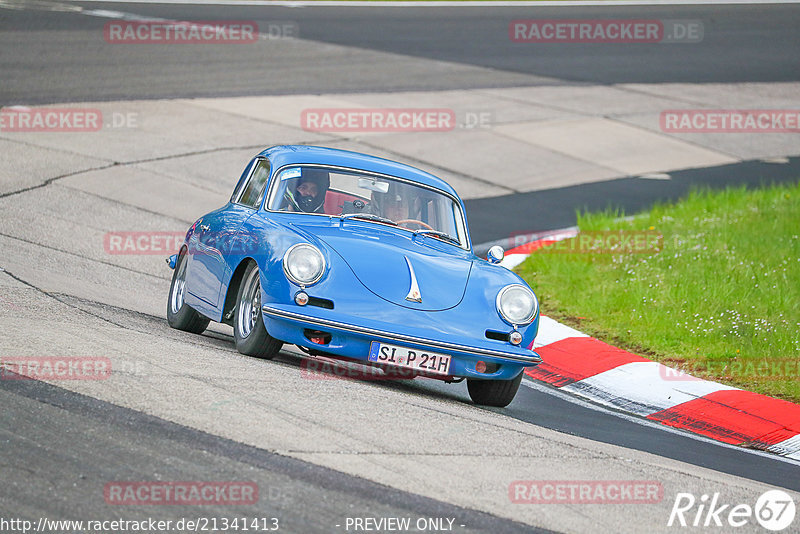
(249, 305)
(179, 287)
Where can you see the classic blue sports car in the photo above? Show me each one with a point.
(356, 257)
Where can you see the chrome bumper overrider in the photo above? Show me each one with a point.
(317, 322)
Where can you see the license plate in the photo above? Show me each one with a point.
(409, 358)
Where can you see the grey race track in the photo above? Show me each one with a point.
(49, 56)
(189, 407)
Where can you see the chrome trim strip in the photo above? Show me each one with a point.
(398, 337)
(413, 292)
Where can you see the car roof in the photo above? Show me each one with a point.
(280, 156)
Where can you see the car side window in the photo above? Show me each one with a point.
(254, 189)
(243, 179)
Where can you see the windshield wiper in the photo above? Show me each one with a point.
(368, 216)
(377, 218)
(440, 235)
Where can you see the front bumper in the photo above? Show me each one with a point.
(353, 341)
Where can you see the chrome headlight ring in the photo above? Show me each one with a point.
(517, 304)
(304, 264)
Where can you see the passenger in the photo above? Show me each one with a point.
(393, 204)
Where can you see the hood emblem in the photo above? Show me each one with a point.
(413, 292)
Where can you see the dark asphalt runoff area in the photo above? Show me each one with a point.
(52, 56)
(552, 209)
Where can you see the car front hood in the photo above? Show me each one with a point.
(383, 260)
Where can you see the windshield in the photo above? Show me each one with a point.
(375, 198)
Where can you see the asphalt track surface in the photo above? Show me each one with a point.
(47, 58)
(302, 496)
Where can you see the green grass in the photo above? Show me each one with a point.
(720, 300)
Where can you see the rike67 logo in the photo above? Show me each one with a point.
(774, 510)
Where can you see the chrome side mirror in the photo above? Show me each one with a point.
(495, 254)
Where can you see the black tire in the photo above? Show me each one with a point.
(179, 314)
(249, 333)
(497, 393)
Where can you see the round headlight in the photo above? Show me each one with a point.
(517, 304)
(303, 264)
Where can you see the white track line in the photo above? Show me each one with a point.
(551, 331)
(642, 388)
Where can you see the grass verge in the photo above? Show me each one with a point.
(720, 299)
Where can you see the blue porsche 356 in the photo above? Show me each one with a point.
(352, 256)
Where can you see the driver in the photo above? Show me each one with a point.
(309, 192)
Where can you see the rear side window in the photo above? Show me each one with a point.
(254, 188)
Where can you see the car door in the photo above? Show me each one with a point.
(216, 233)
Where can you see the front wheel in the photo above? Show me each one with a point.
(179, 314)
(497, 393)
(249, 333)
